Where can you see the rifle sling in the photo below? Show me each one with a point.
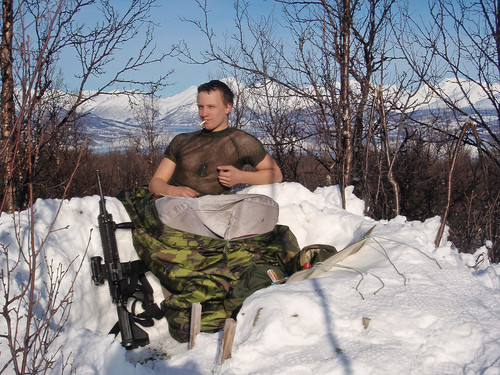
(137, 287)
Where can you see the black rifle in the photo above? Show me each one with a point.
(125, 281)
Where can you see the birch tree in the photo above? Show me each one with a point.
(34, 37)
(329, 45)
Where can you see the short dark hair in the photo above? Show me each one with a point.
(227, 93)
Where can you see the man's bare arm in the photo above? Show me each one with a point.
(267, 172)
(159, 183)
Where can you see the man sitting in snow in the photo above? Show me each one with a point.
(202, 244)
(209, 162)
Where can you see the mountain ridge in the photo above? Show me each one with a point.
(110, 118)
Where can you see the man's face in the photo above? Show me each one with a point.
(213, 110)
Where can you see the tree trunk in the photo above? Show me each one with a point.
(7, 107)
(347, 134)
(460, 139)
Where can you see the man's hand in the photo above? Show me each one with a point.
(267, 172)
(159, 184)
(229, 175)
(182, 191)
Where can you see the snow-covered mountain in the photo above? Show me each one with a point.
(110, 117)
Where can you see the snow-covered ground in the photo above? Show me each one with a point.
(398, 306)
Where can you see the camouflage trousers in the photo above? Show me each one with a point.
(195, 268)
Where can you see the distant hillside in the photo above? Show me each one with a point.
(110, 118)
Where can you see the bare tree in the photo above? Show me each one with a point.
(36, 296)
(462, 42)
(152, 136)
(460, 46)
(330, 44)
(279, 117)
(36, 293)
(7, 111)
(44, 31)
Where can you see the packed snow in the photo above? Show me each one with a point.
(397, 306)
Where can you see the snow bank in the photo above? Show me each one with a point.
(397, 306)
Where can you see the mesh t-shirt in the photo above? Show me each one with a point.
(198, 154)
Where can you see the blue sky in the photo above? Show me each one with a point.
(171, 29)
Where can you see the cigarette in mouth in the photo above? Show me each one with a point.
(201, 123)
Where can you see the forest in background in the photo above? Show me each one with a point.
(421, 170)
